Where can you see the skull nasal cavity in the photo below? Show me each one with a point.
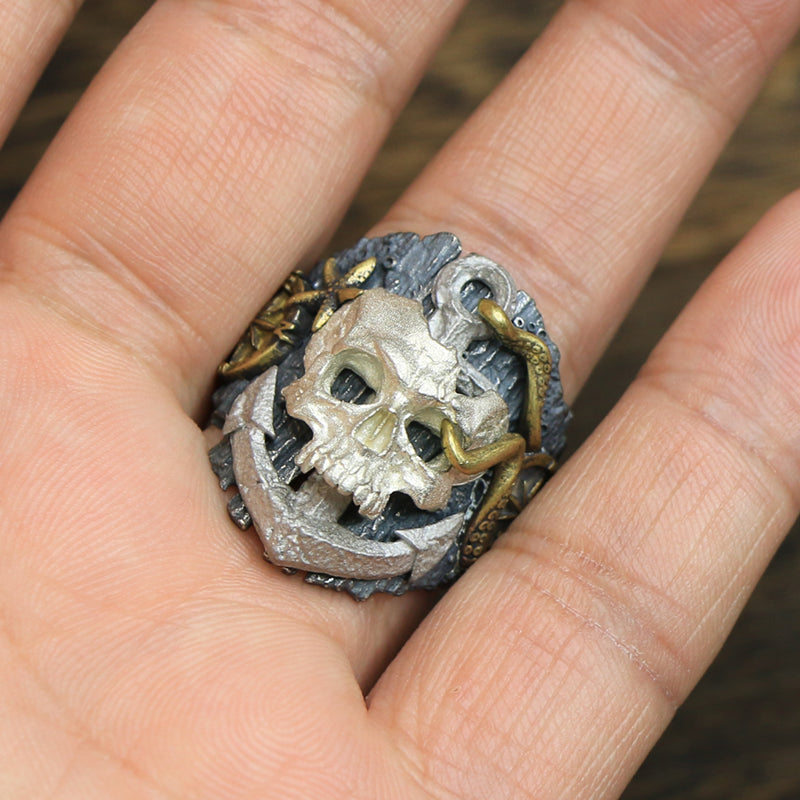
(349, 387)
(425, 442)
(377, 431)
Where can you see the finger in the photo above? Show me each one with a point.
(574, 640)
(29, 32)
(576, 170)
(214, 152)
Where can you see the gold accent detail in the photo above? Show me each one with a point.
(538, 362)
(507, 456)
(269, 336)
(336, 289)
(510, 446)
(512, 456)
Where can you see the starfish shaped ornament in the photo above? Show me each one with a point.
(336, 289)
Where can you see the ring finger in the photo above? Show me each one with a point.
(577, 169)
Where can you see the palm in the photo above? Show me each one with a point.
(201, 649)
(147, 649)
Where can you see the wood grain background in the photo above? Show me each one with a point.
(738, 736)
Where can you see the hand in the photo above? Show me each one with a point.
(146, 648)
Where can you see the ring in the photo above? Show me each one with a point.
(385, 417)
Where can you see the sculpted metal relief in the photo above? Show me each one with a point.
(386, 417)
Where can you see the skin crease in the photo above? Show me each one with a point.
(145, 648)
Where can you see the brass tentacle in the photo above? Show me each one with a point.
(270, 335)
(507, 456)
(336, 289)
(538, 362)
(512, 454)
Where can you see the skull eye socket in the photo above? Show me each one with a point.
(354, 376)
(349, 387)
(426, 443)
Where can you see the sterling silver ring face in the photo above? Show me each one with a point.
(386, 416)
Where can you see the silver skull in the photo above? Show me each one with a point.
(362, 448)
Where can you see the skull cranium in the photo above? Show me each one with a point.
(361, 444)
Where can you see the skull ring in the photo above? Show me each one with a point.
(385, 417)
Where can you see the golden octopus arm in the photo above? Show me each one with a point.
(512, 453)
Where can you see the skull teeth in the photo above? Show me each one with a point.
(317, 459)
(304, 460)
(358, 481)
(373, 505)
(360, 494)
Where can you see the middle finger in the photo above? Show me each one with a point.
(577, 169)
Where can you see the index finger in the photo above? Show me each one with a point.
(29, 32)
